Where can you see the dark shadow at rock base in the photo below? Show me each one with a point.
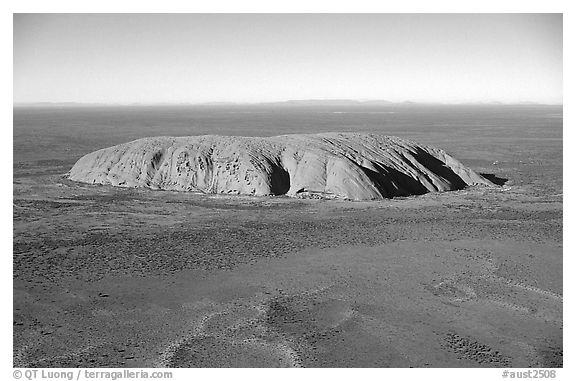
(393, 183)
(494, 179)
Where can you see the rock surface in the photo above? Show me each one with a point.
(332, 165)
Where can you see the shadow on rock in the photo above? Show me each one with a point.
(494, 179)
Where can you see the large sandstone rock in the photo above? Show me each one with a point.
(339, 165)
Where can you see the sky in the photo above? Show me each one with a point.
(197, 58)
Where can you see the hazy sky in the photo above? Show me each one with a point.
(123, 58)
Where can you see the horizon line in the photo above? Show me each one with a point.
(293, 102)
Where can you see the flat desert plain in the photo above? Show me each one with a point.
(115, 277)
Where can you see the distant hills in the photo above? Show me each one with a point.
(330, 102)
(288, 103)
